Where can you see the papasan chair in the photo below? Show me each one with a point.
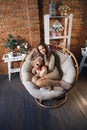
(43, 96)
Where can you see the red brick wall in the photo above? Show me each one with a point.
(18, 17)
(22, 17)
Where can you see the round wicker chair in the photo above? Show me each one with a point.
(51, 98)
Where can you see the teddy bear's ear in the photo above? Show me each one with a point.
(40, 58)
(32, 63)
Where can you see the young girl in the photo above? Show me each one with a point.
(52, 61)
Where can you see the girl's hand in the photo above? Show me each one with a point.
(34, 51)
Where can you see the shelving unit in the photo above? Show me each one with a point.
(66, 37)
(84, 58)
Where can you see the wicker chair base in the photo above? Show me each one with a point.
(53, 103)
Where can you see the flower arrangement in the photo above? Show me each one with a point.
(23, 45)
(56, 28)
(23, 48)
(17, 44)
(64, 9)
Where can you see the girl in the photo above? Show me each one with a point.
(52, 61)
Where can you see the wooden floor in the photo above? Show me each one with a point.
(19, 111)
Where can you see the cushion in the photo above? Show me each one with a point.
(62, 56)
(68, 70)
(43, 93)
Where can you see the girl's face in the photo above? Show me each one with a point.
(42, 49)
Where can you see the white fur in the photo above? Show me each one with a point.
(69, 70)
(41, 93)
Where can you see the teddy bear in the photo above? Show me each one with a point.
(39, 69)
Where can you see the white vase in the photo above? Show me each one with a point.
(23, 55)
(10, 54)
(86, 49)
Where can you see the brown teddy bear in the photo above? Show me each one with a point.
(39, 69)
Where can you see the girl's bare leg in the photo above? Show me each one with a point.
(35, 79)
(46, 82)
(55, 83)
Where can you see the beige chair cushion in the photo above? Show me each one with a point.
(42, 93)
(67, 67)
(68, 70)
(62, 56)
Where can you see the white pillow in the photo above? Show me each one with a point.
(62, 56)
(68, 70)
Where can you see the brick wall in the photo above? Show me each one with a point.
(19, 18)
(25, 18)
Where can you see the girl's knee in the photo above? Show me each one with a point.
(38, 83)
(34, 79)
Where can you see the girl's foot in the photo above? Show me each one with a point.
(65, 85)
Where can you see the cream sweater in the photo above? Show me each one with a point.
(51, 63)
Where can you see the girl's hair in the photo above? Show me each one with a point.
(48, 54)
(57, 63)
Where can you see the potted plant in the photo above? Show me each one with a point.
(64, 9)
(23, 48)
(10, 43)
(23, 45)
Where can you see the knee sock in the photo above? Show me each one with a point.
(65, 85)
(52, 82)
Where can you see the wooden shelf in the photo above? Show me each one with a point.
(58, 17)
(59, 37)
(15, 70)
(66, 37)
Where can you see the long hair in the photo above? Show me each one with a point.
(57, 63)
(48, 52)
